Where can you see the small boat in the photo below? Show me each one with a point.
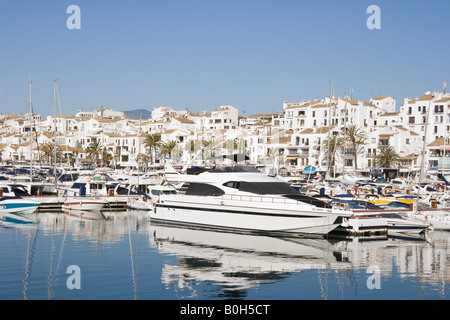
(397, 223)
(388, 201)
(438, 220)
(143, 201)
(84, 203)
(17, 205)
(139, 203)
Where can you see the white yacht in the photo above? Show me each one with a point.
(241, 199)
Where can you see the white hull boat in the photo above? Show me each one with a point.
(16, 205)
(86, 204)
(18, 210)
(439, 220)
(397, 223)
(139, 203)
(246, 201)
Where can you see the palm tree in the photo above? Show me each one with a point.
(142, 160)
(331, 149)
(208, 146)
(355, 138)
(168, 147)
(106, 157)
(48, 152)
(387, 157)
(232, 145)
(151, 141)
(94, 150)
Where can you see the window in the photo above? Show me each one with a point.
(232, 184)
(202, 189)
(267, 187)
(438, 109)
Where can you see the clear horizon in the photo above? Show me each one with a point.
(200, 54)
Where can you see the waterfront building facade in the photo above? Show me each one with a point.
(293, 138)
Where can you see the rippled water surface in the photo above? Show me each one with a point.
(121, 255)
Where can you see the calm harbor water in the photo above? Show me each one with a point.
(123, 256)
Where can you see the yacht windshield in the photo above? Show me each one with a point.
(267, 187)
(202, 189)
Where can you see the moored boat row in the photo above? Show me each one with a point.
(242, 199)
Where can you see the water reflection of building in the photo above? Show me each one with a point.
(427, 259)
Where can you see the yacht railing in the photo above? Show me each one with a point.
(263, 199)
(259, 199)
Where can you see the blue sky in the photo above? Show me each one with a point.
(198, 54)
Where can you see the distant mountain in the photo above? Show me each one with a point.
(138, 113)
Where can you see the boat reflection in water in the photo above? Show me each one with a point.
(124, 256)
(85, 214)
(238, 261)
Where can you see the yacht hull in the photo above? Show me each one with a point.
(282, 218)
(84, 204)
(18, 206)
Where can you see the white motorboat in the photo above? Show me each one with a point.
(145, 201)
(438, 220)
(17, 210)
(84, 203)
(139, 203)
(241, 199)
(17, 205)
(397, 223)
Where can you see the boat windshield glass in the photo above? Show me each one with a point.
(202, 189)
(267, 187)
(235, 169)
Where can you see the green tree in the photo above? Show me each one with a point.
(354, 139)
(94, 150)
(152, 141)
(107, 157)
(142, 160)
(387, 157)
(208, 148)
(168, 147)
(331, 148)
(48, 152)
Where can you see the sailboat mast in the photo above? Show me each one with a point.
(345, 134)
(31, 131)
(55, 132)
(422, 160)
(327, 175)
